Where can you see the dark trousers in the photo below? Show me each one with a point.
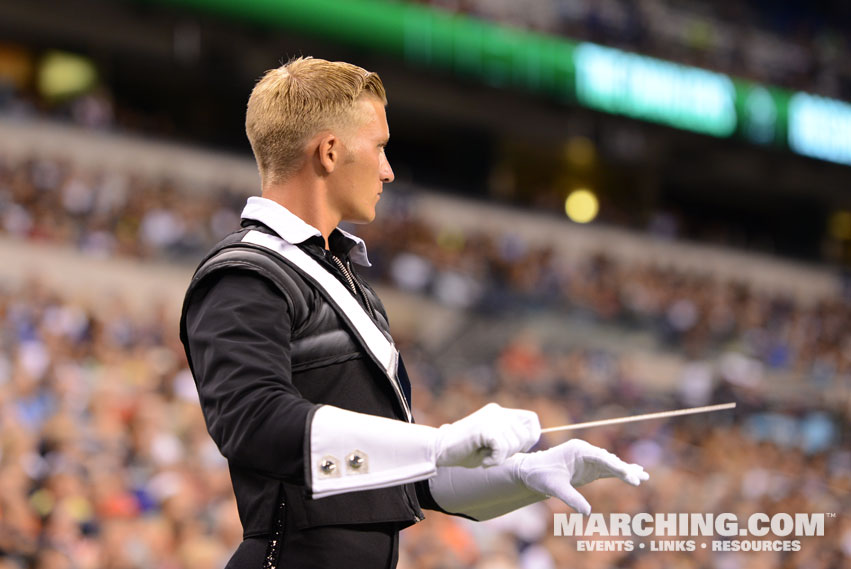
(373, 546)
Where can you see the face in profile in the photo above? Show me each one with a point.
(357, 183)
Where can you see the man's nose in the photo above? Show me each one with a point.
(386, 172)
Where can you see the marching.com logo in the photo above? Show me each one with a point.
(690, 525)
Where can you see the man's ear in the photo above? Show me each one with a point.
(329, 152)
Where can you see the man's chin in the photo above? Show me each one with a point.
(360, 219)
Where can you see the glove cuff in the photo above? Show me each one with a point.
(485, 492)
(351, 451)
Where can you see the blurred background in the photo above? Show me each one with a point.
(601, 208)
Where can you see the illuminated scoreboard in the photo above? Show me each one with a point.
(645, 88)
(820, 127)
(597, 77)
(623, 83)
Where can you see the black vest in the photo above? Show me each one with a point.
(328, 367)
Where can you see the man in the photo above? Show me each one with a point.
(300, 384)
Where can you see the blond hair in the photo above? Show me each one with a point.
(292, 103)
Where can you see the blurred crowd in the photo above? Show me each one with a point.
(105, 462)
(798, 45)
(695, 314)
(108, 213)
(104, 458)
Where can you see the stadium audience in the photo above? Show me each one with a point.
(105, 462)
(119, 213)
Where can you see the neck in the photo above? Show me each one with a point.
(306, 199)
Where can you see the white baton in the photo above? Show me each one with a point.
(645, 417)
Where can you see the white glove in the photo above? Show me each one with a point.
(484, 493)
(351, 451)
(560, 470)
(487, 437)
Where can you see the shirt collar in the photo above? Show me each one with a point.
(295, 230)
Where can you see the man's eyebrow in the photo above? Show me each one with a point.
(384, 142)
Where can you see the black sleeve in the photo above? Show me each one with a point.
(238, 329)
(428, 502)
(425, 498)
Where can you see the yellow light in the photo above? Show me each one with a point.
(63, 75)
(581, 206)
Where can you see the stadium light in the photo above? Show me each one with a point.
(63, 75)
(582, 206)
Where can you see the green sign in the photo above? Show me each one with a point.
(602, 78)
(651, 89)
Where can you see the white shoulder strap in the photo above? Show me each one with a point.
(382, 350)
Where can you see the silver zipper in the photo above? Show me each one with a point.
(353, 283)
(363, 292)
(355, 286)
(397, 386)
(346, 274)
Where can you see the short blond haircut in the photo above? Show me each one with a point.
(296, 101)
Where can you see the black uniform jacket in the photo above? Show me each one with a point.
(263, 359)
